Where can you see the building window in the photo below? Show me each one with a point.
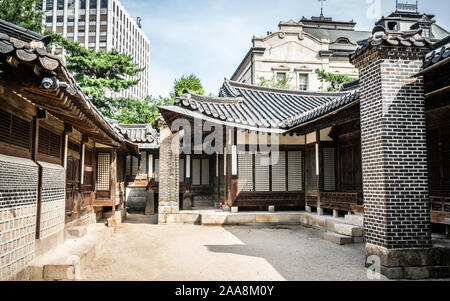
(49, 5)
(71, 4)
(60, 4)
(245, 172)
(49, 19)
(303, 82)
(104, 4)
(295, 171)
(281, 76)
(49, 143)
(279, 173)
(329, 181)
(14, 131)
(93, 4)
(103, 174)
(82, 4)
(262, 179)
(60, 19)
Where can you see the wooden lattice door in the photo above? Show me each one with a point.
(103, 190)
(72, 185)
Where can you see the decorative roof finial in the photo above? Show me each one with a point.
(321, 7)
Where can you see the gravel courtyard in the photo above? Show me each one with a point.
(144, 251)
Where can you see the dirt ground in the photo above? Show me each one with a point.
(144, 251)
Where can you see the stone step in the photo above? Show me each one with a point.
(69, 260)
(348, 230)
(76, 232)
(338, 238)
(356, 220)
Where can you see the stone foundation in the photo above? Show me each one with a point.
(411, 264)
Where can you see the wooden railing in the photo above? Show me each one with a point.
(344, 201)
(440, 209)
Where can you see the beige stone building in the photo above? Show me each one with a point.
(297, 49)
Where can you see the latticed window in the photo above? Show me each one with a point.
(103, 171)
(49, 143)
(245, 172)
(295, 171)
(329, 177)
(262, 169)
(14, 130)
(279, 172)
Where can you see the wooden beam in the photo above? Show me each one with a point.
(436, 92)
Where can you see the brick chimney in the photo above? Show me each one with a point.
(394, 153)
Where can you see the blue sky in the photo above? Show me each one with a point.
(210, 37)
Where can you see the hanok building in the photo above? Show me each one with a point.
(379, 147)
(142, 173)
(60, 160)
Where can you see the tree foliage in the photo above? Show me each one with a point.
(276, 83)
(132, 111)
(98, 71)
(190, 83)
(335, 80)
(25, 13)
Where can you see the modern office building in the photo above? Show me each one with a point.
(102, 25)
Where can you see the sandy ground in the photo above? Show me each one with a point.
(144, 251)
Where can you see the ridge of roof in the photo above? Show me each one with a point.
(380, 36)
(235, 84)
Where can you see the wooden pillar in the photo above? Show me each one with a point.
(234, 175)
(113, 176)
(319, 174)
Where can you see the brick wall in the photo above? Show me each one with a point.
(18, 195)
(394, 154)
(168, 174)
(53, 199)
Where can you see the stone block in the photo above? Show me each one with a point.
(356, 220)
(319, 211)
(338, 238)
(234, 209)
(214, 219)
(349, 230)
(288, 219)
(76, 232)
(272, 209)
(266, 218)
(241, 219)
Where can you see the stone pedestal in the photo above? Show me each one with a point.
(335, 213)
(319, 211)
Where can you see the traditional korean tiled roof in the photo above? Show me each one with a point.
(258, 107)
(440, 52)
(66, 101)
(142, 134)
(382, 37)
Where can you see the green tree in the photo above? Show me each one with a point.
(276, 83)
(132, 111)
(335, 80)
(99, 71)
(190, 83)
(25, 13)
